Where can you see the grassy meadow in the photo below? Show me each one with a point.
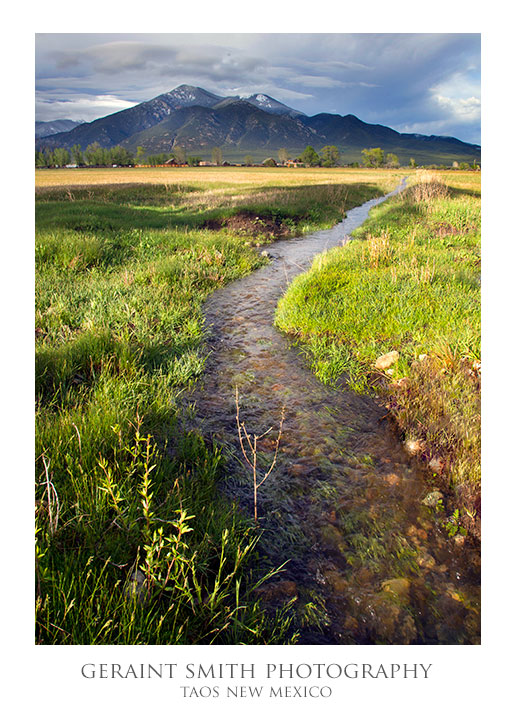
(409, 283)
(134, 543)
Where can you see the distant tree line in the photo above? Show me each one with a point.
(93, 156)
(375, 157)
(329, 156)
(96, 156)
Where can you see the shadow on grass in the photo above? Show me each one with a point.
(130, 207)
(463, 192)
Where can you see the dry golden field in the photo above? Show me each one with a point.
(222, 176)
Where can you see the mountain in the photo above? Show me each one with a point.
(232, 124)
(198, 120)
(44, 129)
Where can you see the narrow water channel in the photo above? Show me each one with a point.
(367, 559)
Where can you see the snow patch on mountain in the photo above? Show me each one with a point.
(263, 100)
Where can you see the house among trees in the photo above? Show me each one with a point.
(269, 162)
(172, 162)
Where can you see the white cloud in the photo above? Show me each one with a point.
(465, 109)
(459, 96)
(80, 108)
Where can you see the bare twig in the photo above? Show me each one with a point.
(253, 449)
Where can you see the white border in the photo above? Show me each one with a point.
(47, 680)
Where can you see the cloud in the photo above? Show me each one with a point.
(318, 81)
(459, 96)
(466, 109)
(122, 57)
(85, 108)
(111, 58)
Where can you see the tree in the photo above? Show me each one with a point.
(373, 157)
(95, 155)
(40, 159)
(120, 156)
(216, 155)
(310, 157)
(392, 160)
(412, 163)
(330, 156)
(283, 155)
(78, 159)
(180, 155)
(156, 159)
(140, 153)
(194, 161)
(248, 161)
(61, 157)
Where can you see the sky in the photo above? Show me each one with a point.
(412, 82)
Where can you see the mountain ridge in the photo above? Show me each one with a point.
(198, 120)
(45, 129)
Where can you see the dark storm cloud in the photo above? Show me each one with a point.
(412, 82)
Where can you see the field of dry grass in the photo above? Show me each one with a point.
(219, 176)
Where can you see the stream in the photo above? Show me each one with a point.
(367, 560)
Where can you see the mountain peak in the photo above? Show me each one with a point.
(191, 92)
(267, 103)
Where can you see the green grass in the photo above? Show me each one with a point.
(409, 282)
(122, 492)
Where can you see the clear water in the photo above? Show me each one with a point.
(344, 503)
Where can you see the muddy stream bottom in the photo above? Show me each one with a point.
(368, 561)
